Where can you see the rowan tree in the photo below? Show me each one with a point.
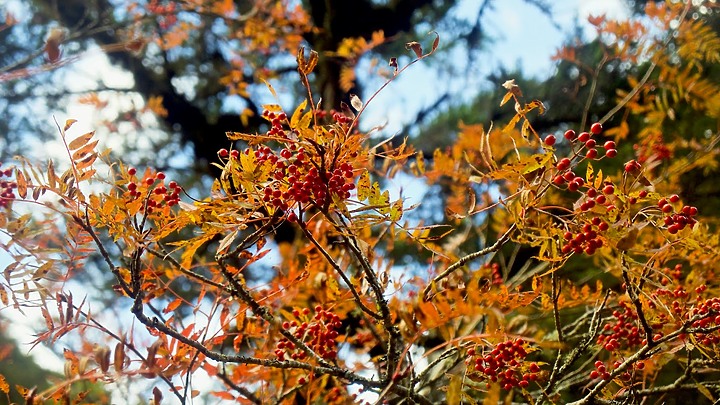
(618, 304)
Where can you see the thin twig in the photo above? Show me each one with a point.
(490, 249)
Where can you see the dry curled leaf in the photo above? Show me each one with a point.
(356, 103)
(415, 47)
(393, 64)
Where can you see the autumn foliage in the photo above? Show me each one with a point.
(375, 299)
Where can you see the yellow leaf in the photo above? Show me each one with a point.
(68, 124)
(454, 390)
(22, 183)
(396, 211)
(589, 173)
(273, 108)
(191, 247)
(598, 179)
(524, 130)
(363, 187)
(420, 160)
(51, 175)
(42, 271)
(270, 87)
(506, 98)
(294, 120)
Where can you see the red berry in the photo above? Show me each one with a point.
(601, 199)
(558, 180)
(223, 153)
(632, 166)
(132, 171)
(590, 144)
(596, 128)
(611, 153)
(674, 198)
(608, 189)
(569, 135)
(643, 193)
(550, 140)
(594, 374)
(584, 137)
(160, 176)
(563, 164)
(609, 145)
(591, 154)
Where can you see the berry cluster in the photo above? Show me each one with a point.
(709, 311)
(295, 175)
(340, 118)
(505, 363)
(601, 370)
(159, 195)
(7, 193)
(565, 174)
(588, 240)
(624, 329)
(276, 123)
(318, 333)
(165, 12)
(589, 144)
(497, 277)
(677, 221)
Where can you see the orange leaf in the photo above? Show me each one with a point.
(173, 305)
(80, 153)
(4, 387)
(86, 161)
(223, 395)
(80, 140)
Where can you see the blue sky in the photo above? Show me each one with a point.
(522, 36)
